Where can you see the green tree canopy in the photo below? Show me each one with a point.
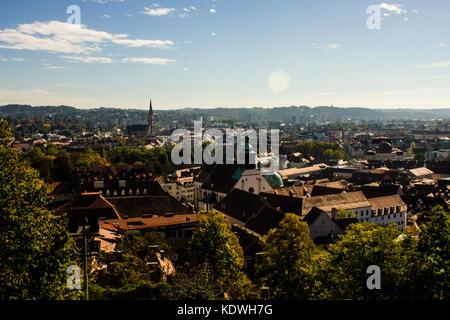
(364, 245)
(434, 249)
(214, 245)
(287, 266)
(128, 275)
(35, 248)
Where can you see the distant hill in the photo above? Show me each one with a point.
(290, 114)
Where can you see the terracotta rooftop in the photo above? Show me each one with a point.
(138, 206)
(89, 204)
(250, 210)
(155, 221)
(387, 202)
(326, 203)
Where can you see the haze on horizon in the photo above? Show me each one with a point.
(217, 53)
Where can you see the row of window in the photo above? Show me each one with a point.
(108, 193)
(387, 211)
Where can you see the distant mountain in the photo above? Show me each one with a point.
(289, 114)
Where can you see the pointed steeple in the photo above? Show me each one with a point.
(151, 121)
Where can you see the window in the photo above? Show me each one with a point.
(171, 234)
(98, 184)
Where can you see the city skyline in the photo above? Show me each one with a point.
(208, 54)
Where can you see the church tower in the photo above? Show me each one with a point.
(151, 122)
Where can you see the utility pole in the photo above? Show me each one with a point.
(85, 255)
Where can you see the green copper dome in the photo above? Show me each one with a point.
(274, 180)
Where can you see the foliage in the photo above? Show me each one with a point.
(88, 159)
(6, 137)
(434, 264)
(215, 246)
(128, 275)
(191, 284)
(35, 248)
(321, 150)
(287, 266)
(363, 245)
(156, 159)
(345, 214)
(419, 157)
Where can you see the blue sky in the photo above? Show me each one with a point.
(225, 53)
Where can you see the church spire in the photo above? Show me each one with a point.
(151, 121)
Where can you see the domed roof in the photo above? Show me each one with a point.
(274, 180)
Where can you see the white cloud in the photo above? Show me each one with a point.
(137, 43)
(191, 8)
(18, 59)
(279, 81)
(157, 61)
(107, 60)
(61, 37)
(106, 16)
(87, 59)
(50, 67)
(158, 11)
(212, 10)
(397, 8)
(187, 12)
(440, 64)
(318, 45)
(213, 34)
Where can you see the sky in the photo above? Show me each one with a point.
(225, 53)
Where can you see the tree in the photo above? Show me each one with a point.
(364, 245)
(62, 166)
(35, 248)
(42, 162)
(191, 284)
(419, 157)
(288, 262)
(88, 159)
(129, 275)
(345, 214)
(215, 246)
(6, 137)
(434, 249)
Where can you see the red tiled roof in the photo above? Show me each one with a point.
(139, 223)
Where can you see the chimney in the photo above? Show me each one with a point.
(334, 213)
